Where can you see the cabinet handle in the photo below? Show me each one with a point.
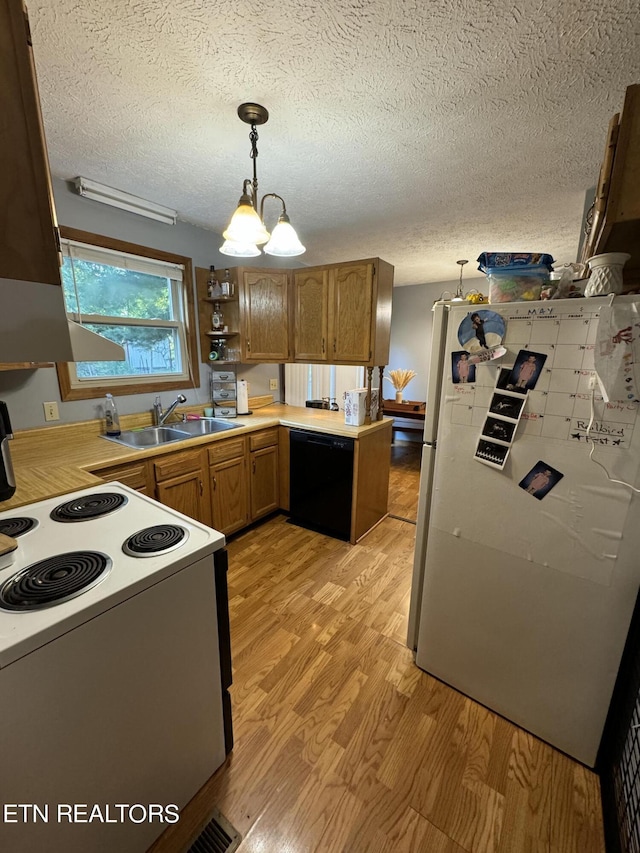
(201, 484)
(334, 344)
(254, 466)
(248, 345)
(323, 346)
(214, 484)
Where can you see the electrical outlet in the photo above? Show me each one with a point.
(273, 385)
(593, 382)
(51, 412)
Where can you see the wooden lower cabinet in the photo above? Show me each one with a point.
(229, 485)
(181, 483)
(264, 482)
(136, 475)
(264, 479)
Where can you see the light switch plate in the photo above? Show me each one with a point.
(51, 411)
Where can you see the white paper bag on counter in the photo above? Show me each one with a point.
(355, 405)
(617, 351)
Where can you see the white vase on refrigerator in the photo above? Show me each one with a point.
(606, 273)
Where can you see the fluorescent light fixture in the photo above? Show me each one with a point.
(124, 201)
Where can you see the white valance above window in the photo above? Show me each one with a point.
(110, 257)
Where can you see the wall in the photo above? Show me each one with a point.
(24, 391)
(411, 324)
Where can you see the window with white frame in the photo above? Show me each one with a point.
(138, 302)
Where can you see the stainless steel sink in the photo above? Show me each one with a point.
(149, 436)
(206, 426)
(154, 436)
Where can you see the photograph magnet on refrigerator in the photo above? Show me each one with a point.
(481, 330)
(507, 405)
(540, 480)
(499, 428)
(491, 453)
(463, 370)
(526, 371)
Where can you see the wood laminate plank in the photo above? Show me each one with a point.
(576, 825)
(343, 745)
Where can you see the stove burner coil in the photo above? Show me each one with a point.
(86, 507)
(54, 580)
(155, 540)
(17, 526)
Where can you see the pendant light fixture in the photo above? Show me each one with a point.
(246, 230)
(458, 296)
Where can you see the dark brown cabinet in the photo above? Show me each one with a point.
(29, 248)
(615, 218)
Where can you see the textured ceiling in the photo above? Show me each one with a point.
(420, 132)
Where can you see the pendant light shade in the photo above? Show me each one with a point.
(246, 226)
(284, 241)
(239, 250)
(246, 230)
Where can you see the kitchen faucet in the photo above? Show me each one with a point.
(160, 416)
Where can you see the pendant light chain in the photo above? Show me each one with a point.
(253, 138)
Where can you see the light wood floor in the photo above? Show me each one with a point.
(342, 744)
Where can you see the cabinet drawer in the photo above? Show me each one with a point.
(221, 451)
(224, 393)
(266, 438)
(226, 411)
(134, 476)
(223, 376)
(176, 464)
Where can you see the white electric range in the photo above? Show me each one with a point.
(110, 671)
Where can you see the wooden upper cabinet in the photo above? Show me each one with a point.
(332, 314)
(311, 315)
(29, 243)
(615, 224)
(348, 306)
(264, 315)
(352, 306)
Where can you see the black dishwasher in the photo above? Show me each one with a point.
(321, 482)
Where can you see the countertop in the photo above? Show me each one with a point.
(51, 461)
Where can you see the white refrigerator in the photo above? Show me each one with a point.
(527, 556)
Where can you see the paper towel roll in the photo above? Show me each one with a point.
(243, 397)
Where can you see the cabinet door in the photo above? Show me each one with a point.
(186, 494)
(265, 316)
(311, 315)
(264, 482)
(352, 304)
(29, 246)
(230, 495)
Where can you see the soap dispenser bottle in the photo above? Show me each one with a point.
(111, 416)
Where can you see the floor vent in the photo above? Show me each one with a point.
(218, 836)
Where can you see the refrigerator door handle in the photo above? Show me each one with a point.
(420, 551)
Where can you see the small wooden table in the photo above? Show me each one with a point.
(412, 409)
